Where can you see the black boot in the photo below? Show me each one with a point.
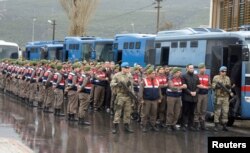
(60, 113)
(225, 127)
(155, 128)
(40, 105)
(115, 128)
(127, 129)
(203, 126)
(196, 126)
(216, 127)
(83, 122)
(56, 112)
(73, 117)
(69, 117)
(144, 128)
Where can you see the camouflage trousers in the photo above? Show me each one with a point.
(83, 104)
(221, 108)
(201, 108)
(123, 102)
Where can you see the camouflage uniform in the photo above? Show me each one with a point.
(221, 103)
(123, 101)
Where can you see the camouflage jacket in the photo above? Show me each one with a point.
(127, 79)
(224, 80)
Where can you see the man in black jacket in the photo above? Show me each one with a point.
(189, 97)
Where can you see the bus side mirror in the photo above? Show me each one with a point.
(245, 54)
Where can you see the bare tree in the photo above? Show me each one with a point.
(79, 13)
(166, 26)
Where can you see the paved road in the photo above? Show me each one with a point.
(45, 133)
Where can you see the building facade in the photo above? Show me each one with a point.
(230, 15)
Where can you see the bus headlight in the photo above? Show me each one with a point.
(247, 99)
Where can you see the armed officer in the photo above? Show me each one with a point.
(220, 83)
(123, 101)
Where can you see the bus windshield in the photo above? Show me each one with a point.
(8, 52)
(104, 52)
(86, 51)
(55, 53)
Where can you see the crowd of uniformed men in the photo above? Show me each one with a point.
(164, 95)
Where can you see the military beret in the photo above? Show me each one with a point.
(201, 65)
(59, 66)
(176, 69)
(150, 70)
(223, 68)
(125, 64)
(87, 68)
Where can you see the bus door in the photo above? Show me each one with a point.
(245, 85)
(119, 56)
(164, 55)
(216, 60)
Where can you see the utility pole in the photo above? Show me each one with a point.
(158, 7)
(53, 23)
(33, 28)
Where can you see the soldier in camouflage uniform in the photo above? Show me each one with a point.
(123, 101)
(221, 104)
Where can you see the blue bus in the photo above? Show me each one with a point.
(49, 50)
(214, 48)
(133, 48)
(88, 48)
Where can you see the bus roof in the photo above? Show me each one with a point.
(87, 39)
(2, 42)
(187, 34)
(43, 43)
(135, 35)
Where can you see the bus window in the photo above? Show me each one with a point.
(174, 44)
(125, 46)
(116, 46)
(183, 44)
(137, 45)
(194, 44)
(131, 45)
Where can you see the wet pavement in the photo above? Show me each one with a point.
(45, 133)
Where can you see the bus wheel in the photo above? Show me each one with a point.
(230, 121)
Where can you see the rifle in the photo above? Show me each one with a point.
(130, 94)
(225, 89)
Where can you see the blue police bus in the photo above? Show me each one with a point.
(88, 48)
(49, 50)
(215, 48)
(133, 48)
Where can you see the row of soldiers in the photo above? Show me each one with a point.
(162, 94)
